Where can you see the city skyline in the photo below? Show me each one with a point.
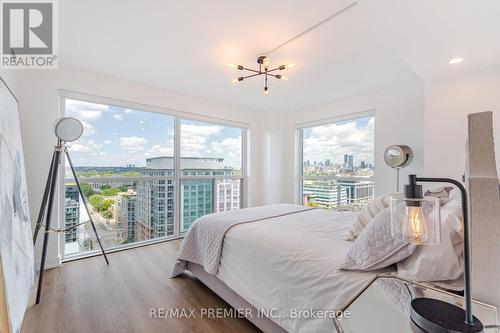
(333, 141)
(116, 136)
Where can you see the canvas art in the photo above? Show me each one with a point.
(16, 244)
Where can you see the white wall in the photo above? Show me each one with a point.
(38, 92)
(447, 104)
(399, 119)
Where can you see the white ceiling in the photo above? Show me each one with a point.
(185, 46)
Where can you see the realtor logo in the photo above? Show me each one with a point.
(28, 34)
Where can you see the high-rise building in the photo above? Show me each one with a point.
(325, 193)
(228, 194)
(358, 192)
(350, 163)
(155, 198)
(127, 215)
(71, 192)
(71, 219)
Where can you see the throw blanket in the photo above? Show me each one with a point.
(203, 242)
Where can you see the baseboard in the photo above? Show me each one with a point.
(50, 262)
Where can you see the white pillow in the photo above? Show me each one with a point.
(375, 248)
(367, 214)
(441, 262)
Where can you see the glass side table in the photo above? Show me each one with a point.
(383, 306)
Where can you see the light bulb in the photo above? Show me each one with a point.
(232, 65)
(235, 80)
(415, 228)
(283, 77)
(266, 91)
(290, 65)
(266, 62)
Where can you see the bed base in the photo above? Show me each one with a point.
(236, 301)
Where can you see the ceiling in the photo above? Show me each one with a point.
(185, 46)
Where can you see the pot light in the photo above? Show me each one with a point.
(456, 60)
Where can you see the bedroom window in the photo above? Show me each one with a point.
(337, 163)
(146, 175)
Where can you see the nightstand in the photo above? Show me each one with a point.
(383, 306)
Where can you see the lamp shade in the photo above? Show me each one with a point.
(68, 129)
(415, 220)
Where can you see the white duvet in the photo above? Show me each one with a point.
(289, 267)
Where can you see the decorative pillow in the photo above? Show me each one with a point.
(375, 248)
(366, 215)
(441, 262)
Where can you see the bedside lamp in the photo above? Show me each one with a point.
(416, 219)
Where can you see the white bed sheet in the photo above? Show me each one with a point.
(290, 264)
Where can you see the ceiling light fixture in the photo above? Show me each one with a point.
(456, 60)
(264, 63)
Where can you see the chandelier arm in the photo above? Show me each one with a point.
(252, 75)
(252, 70)
(272, 70)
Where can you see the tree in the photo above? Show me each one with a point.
(123, 188)
(109, 192)
(86, 189)
(106, 204)
(104, 187)
(96, 201)
(107, 214)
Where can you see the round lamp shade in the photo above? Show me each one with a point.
(68, 129)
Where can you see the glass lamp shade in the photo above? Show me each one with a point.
(415, 221)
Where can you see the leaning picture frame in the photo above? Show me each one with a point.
(17, 267)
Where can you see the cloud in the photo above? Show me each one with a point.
(332, 141)
(128, 111)
(141, 122)
(85, 111)
(84, 146)
(159, 150)
(107, 142)
(196, 139)
(230, 149)
(88, 129)
(118, 116)
(133, 144)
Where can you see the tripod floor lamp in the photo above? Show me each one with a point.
(66, 129)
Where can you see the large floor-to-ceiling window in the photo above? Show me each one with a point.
(337, 163)
(147, 175)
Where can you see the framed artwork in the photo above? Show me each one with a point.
(17, 271)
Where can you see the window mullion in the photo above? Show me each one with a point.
(177, 174)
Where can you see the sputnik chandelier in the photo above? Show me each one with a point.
(264, 69)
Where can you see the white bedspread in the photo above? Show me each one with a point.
(290, 265)
(203, 242)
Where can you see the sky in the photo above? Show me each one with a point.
(332, 141)
(115, 136)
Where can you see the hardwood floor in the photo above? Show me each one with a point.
(88, 296)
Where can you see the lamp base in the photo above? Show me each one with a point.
(434, 316)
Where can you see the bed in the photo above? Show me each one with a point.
(279, 263)
(282, 265)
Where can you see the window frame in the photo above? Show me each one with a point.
(178, 115)
(299, 148)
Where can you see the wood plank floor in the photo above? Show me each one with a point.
(88, 296)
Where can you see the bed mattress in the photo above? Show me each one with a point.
(288, 268)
